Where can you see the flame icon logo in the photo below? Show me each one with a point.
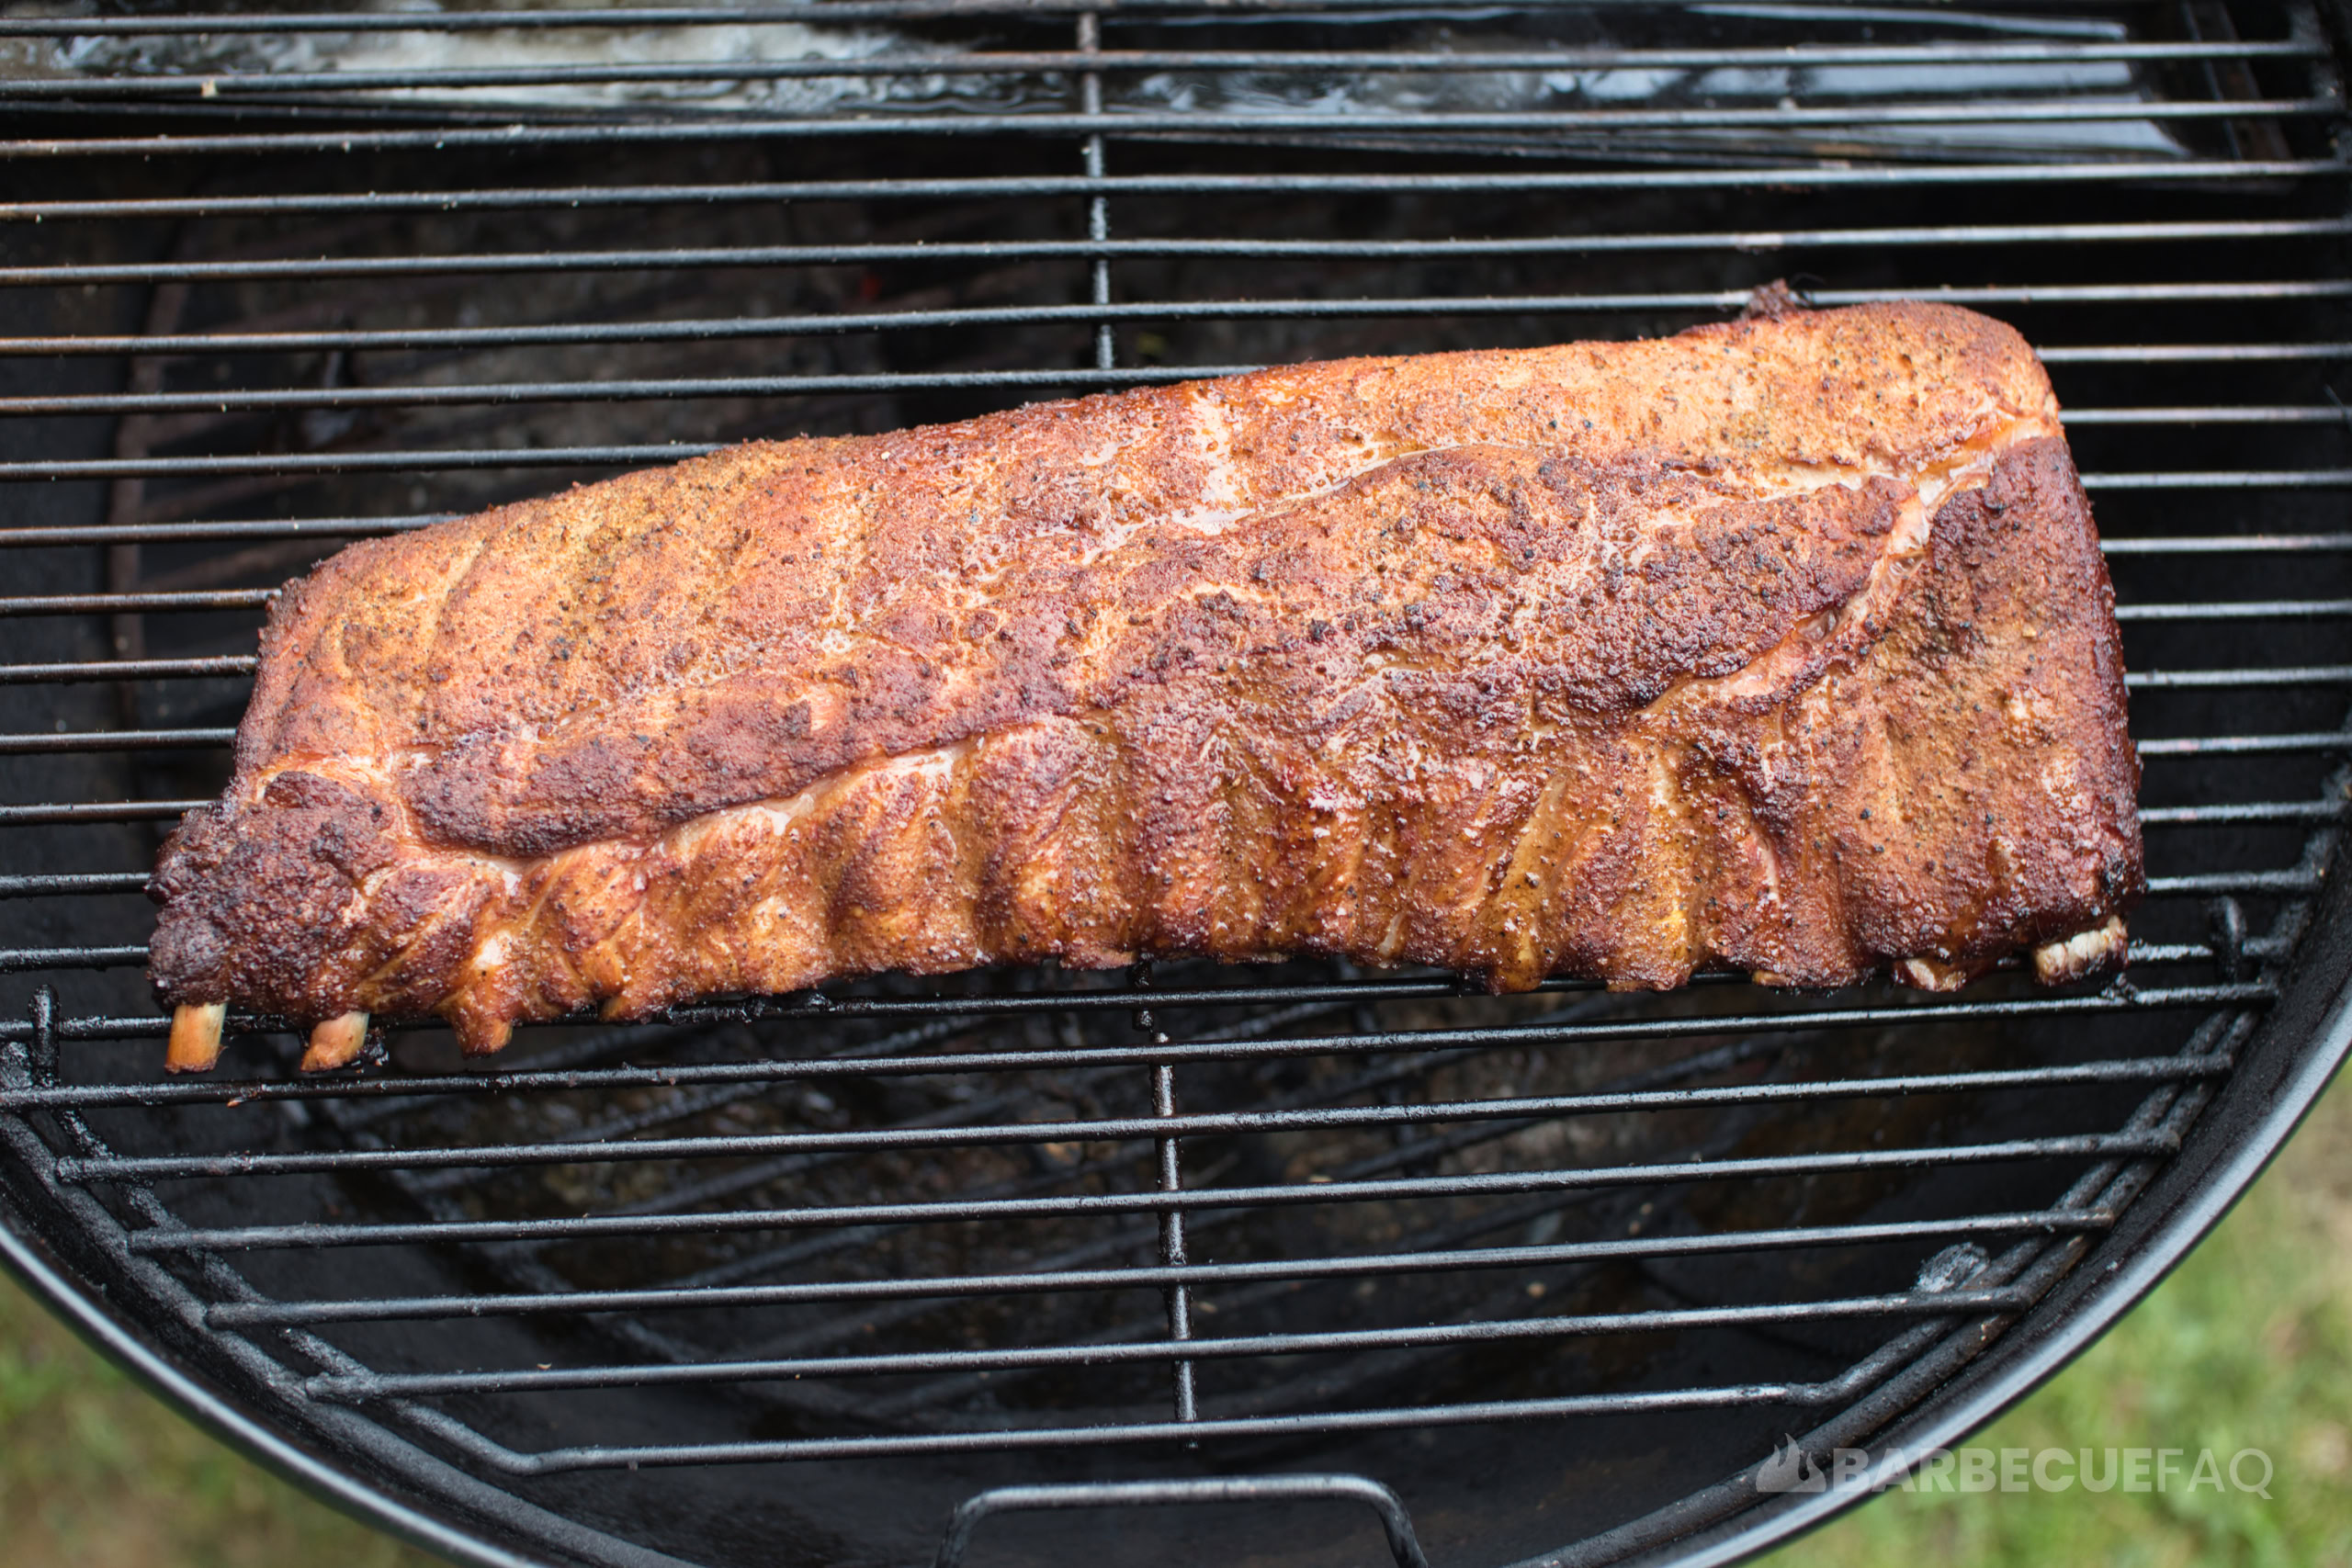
(1790, 1469)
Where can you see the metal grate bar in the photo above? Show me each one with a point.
(129, 670)
(73, 884)
(1099, 246)
(2229, 544)
(353, 462)
(321, 529)
(2211, 883)
(750, 127)
(553, 1461)
(2233, 745)
(609, 392)
(114, 603)
(2228, 816)
(2193, 353)
(17, 960)
(2237, 610)
(47, 814)
(1002, 62)
(2225, 478)
(247, 1238)
(2261, 675)
(2206, 413)
(1031, 187)
(682, 16)
(364, 1386)
(1098, 220)
(113, 740)
(256, 1314)
(1164, 1126)
(1172, 1252)
(553, 335)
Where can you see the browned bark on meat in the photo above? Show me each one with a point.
(1783, 644)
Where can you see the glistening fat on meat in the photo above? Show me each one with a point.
(1783, 645)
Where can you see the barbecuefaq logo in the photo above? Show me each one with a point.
(1792, 1469)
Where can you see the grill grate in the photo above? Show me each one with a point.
(1558, 1267)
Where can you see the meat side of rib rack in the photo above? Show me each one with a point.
(1783, 645)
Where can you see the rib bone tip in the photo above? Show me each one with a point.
(2085, 952)
(1932, 975)
(335, 1043)
(196, 1037)
(482, 1036)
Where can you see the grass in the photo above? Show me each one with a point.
(94, 1473)
(2249, 1344)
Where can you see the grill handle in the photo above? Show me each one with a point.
(1402, 1543)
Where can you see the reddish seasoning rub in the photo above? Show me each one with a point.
(1783, 645)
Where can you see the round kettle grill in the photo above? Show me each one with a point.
(1018, 1266)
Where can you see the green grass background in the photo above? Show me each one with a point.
(2249, 1344)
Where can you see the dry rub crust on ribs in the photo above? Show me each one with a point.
(1783, 644)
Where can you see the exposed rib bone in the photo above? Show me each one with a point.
(196, 1037)
(2084, 953)
(335, 1043)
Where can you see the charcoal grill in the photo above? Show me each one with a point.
(1024, 1265)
